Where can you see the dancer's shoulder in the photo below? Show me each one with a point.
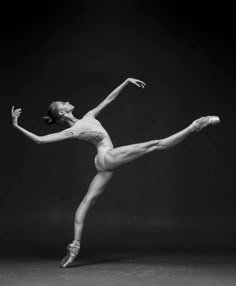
(90, 114)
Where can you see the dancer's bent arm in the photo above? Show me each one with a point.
(54, 137)
(50, 138)
(114, 94)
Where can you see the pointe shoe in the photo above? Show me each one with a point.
(202, 122)
(214, 120)
(72, 252)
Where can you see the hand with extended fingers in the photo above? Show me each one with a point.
(15, 114)
(137, 82)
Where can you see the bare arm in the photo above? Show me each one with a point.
(50, 138)
(54, 137)
(114, 94)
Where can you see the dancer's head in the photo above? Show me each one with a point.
(58, 111)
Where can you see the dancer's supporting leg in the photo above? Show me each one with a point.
(113, 159)
(96, 188)
(122, 155)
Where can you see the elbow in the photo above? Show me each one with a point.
(112, 96)
(39, 140)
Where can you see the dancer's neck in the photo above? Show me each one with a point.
(70, 119)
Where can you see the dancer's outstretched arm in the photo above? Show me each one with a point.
(114, 94)
(54, 137)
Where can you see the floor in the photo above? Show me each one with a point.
(121, 269)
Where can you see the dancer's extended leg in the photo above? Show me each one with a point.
(122, 155)
(96, 188)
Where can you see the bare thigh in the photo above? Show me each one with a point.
(119, 156)
(99, 160)
(98, 185)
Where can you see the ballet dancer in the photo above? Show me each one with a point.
(108, 157)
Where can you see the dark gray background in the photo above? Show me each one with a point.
(179, 199)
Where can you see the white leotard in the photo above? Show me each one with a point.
(90, 129)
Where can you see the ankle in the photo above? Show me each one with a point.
(76, 242)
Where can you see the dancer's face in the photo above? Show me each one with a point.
(65, 107)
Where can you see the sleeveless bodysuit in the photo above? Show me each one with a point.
(91, 130)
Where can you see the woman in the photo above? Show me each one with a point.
(108, 158)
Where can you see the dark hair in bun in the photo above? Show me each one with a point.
(52, 114)
(48, 119)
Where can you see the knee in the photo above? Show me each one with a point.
(82, 210)
(90, 200)
(156, 145)
(160, 144)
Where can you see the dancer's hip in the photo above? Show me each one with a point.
(99, 160)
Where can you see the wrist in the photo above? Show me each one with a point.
(15, 124)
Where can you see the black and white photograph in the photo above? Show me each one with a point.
(118, 143)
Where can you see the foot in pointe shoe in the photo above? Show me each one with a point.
(72, 252)
(202, 122)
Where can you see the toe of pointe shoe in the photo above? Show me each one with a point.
(72, 252)
(214, 120)
(66, 261)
